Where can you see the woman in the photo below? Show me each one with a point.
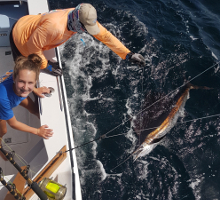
(14, 90)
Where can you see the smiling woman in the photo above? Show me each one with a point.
(24, 83)
(25, 74)
(15, 88)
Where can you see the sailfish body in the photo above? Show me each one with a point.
(153, 138)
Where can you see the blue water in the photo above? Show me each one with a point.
(179, 39)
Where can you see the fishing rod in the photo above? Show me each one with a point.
(11, 188)
(33, 185)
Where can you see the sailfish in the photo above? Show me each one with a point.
(149, 141)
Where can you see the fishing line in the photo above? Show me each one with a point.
(114, 135)
(155, 101)
(192, 120)
(8, 181)
(178, 88)
(12, 18)
(21, 159)
(216, 115)
(142, 92)
(105, 135)
(162, 98)
(121, 162)
(25, 163)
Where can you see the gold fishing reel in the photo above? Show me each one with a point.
(52, 189)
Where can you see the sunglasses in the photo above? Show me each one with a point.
(76, 16)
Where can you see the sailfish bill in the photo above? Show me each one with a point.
(154, 137)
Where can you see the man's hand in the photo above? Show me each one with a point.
(53, 69)
(136, 58)
(40, 91)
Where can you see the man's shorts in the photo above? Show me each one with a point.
(14, 49)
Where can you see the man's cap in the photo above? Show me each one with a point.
(88, 17)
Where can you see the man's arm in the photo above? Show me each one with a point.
(115, 45)
(111, 41)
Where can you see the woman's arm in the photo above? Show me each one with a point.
(42, 131)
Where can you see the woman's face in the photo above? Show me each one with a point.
(24, 82)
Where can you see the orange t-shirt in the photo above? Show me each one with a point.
(37, 33)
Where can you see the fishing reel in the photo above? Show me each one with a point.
(52, 189)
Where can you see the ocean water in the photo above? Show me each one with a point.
(180, 41)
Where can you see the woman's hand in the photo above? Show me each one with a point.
(44, 132)
(40, 91)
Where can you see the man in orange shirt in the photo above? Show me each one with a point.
(37, 33)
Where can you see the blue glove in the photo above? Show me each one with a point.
(53, 69)
(136, 58)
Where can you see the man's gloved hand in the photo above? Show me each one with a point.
(53, 69)
(136, 58)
